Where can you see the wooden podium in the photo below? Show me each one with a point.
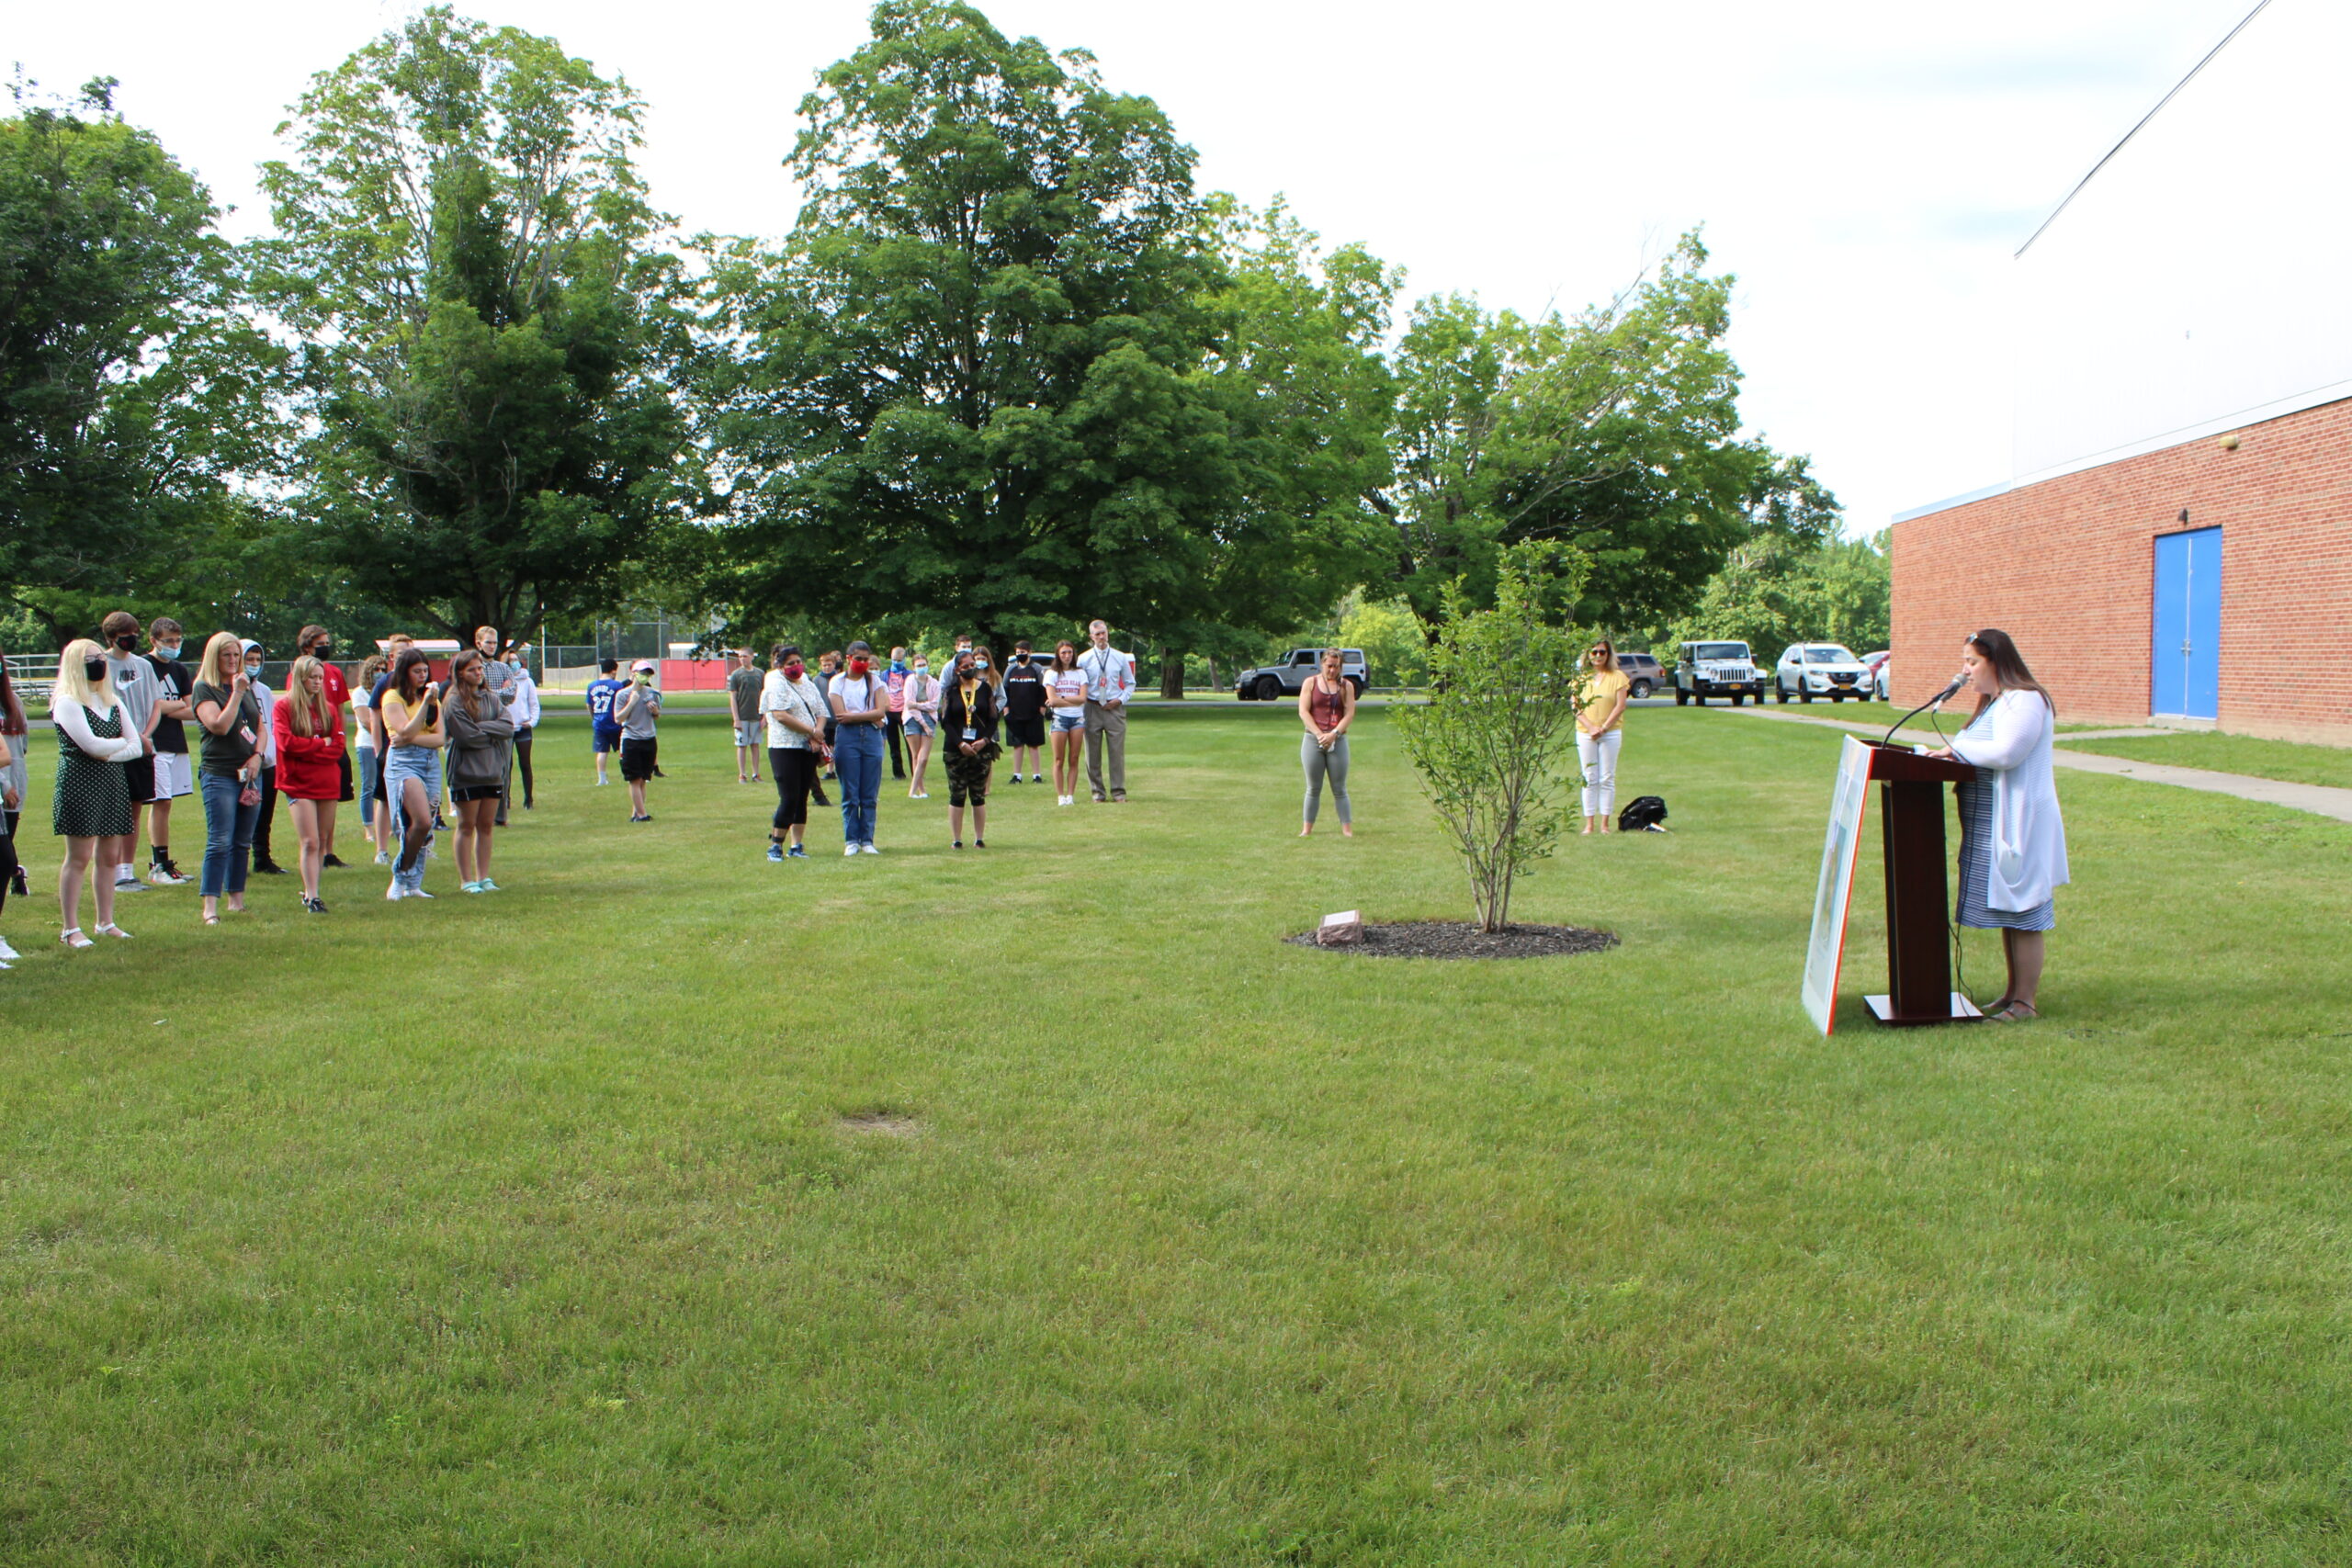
(1919, 901)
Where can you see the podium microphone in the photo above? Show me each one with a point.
(1937, 701)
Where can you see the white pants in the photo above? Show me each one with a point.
(1599, 758)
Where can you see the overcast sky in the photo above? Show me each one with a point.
(1865, 168)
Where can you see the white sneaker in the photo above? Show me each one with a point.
(867, 848)
(161, 876)
(392, 893)
(6, 952)
(849, 849)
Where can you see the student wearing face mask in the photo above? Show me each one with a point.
(923, 694)
(1025, 694)
(861, 705)
(969, 718)
(522, 710)
(133, 682)
(90, 808)
(319, 644)
(636, 710)
(895, 677)
(794, 715)
(263, 864)
(175, 774)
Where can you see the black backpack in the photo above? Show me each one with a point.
(1642, 814)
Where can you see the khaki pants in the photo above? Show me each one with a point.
(1106, 725)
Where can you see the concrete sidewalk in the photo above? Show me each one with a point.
(2321, 800)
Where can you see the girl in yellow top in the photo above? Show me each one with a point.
(414, 737)
(1600, 733)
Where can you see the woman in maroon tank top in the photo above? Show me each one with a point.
(1327, 707)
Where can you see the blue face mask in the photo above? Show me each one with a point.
(898, 667)
(167, 650)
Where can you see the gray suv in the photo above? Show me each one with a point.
(1272, 682)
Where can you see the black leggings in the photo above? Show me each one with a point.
(523, 763)
(268, 814)
(891, 727)
(794, 768)
(9, 858)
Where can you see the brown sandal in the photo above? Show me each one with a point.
(2014, 1012)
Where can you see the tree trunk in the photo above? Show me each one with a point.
(1171, 674)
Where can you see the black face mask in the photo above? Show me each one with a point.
(95, 668)
(127, 641)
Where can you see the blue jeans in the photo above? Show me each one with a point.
(228, 834)
(366, 786)
(857, 758)
(422, 763)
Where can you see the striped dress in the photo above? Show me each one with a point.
(1977, 866)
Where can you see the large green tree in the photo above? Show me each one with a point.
(131, 389)
(1002, 370)
(491, 331)
(1615, 433)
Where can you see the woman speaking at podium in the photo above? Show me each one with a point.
(2012, 842)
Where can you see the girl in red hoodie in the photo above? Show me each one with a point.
(310, 773)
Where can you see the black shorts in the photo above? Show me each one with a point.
(343, 768)
(1024, 731)
(464, 793)
(637, 758)
(140, 770)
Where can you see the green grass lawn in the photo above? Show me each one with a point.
(1040, 1206)
(2284, 760)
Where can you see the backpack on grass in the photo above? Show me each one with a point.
(1642, 814)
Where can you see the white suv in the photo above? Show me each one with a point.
(1821, 669)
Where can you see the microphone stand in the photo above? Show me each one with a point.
(1935, 702)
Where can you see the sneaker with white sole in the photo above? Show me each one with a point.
(6, 952)
(867, 848)
(849, 849)
(163, 873)
(393, 894)
(776, 853)
(127, 881)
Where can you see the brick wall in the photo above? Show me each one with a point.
(2067, 567)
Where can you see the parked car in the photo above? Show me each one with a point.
(1644, 671)
(1703, 670)
(1272, 682)
(1810, 670)
(1878, 663)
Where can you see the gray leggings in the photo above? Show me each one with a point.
(1321, 764)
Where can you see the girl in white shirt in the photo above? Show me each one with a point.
(91, 807)
(1066, 706)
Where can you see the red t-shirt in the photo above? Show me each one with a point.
(338, 690)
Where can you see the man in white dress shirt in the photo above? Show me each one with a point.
(1110, 682)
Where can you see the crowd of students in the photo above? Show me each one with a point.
(126, 720)
(425, 757)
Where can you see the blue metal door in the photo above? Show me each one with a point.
(2185, 657)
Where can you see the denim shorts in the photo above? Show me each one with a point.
(1068, 719)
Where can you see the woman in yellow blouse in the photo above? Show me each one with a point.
(1600, 733)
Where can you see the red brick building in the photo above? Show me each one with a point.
(2068, 568)
(2175, 542)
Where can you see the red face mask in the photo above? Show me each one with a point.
(794, 670)
(858, 666)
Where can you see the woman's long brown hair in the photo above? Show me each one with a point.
(12, 712)
(2000, 651)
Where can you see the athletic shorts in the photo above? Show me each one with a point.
(142, 773)
(464, 793)
(174, 776)
(637, 758)
(606, 740)
(1024, 731)
(747, 732)
(1068, 721)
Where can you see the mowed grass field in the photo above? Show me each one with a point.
(1038, 1206)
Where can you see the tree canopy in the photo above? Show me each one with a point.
(490, 335)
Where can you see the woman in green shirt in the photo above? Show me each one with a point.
(228, 717)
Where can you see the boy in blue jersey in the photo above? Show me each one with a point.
(603, 733)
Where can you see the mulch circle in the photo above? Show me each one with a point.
(1463, 938)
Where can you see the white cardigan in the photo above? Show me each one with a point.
(2011, 739)
(73, 721)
